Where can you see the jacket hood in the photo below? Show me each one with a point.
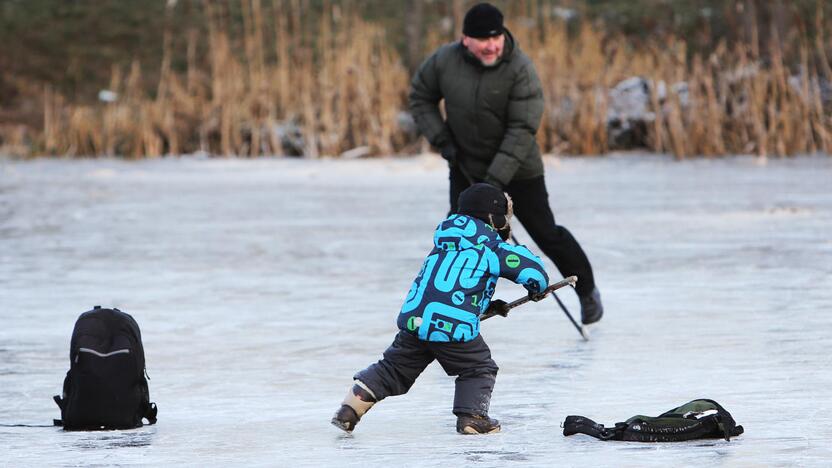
(460, 232)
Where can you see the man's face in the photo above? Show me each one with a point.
(488, 50)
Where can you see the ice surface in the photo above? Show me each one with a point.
(261, 286)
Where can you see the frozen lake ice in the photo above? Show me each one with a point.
(261, 286)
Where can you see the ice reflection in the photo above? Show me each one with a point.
(109, 440)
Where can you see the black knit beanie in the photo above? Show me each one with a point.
(483, 20)
(488, 204)
(481, 200)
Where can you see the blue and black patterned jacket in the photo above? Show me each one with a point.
(458, 279)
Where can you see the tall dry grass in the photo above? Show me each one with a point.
(341, 82)
(736, 102)
(343, 89)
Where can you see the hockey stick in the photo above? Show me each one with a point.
(578, 327)
(518, 302)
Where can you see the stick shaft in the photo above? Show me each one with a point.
(580, 329)
(550, 289)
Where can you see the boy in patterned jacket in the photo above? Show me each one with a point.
(440, 316)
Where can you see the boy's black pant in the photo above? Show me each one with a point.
(408, 356)
(531, 206)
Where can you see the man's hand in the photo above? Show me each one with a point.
(493, 181)
(498, 307)
(448, 152)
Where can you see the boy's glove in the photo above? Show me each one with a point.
(498, 307)
(448, 152)
(537, 296)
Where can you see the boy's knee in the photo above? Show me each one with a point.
(490, 367)
(488, 371)
(371, 381)
(383, 379)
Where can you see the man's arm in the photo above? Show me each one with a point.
(525, 109)
(424, 98)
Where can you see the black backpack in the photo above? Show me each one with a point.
(105, 387)
(698, 419)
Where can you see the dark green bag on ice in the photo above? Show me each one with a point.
(698, 419)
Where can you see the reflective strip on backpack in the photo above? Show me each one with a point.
(92, 351)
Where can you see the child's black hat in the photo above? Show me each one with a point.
(481, 200)
(489, 204)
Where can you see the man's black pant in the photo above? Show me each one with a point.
(531, 206)
(408, 356)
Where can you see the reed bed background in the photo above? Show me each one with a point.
(337, 81)
(342, 89)
(735, 101)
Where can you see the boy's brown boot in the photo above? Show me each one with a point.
(358, 401)
(476, 424)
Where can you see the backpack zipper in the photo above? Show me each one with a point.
(699, 414)
(92, 351)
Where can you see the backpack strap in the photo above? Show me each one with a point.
(729, 426)
(583, 425)
(150, 412)
(61, 403)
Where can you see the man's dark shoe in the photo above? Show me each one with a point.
(476, 424)
(591, 308)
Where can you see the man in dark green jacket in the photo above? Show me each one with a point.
(494, 102)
